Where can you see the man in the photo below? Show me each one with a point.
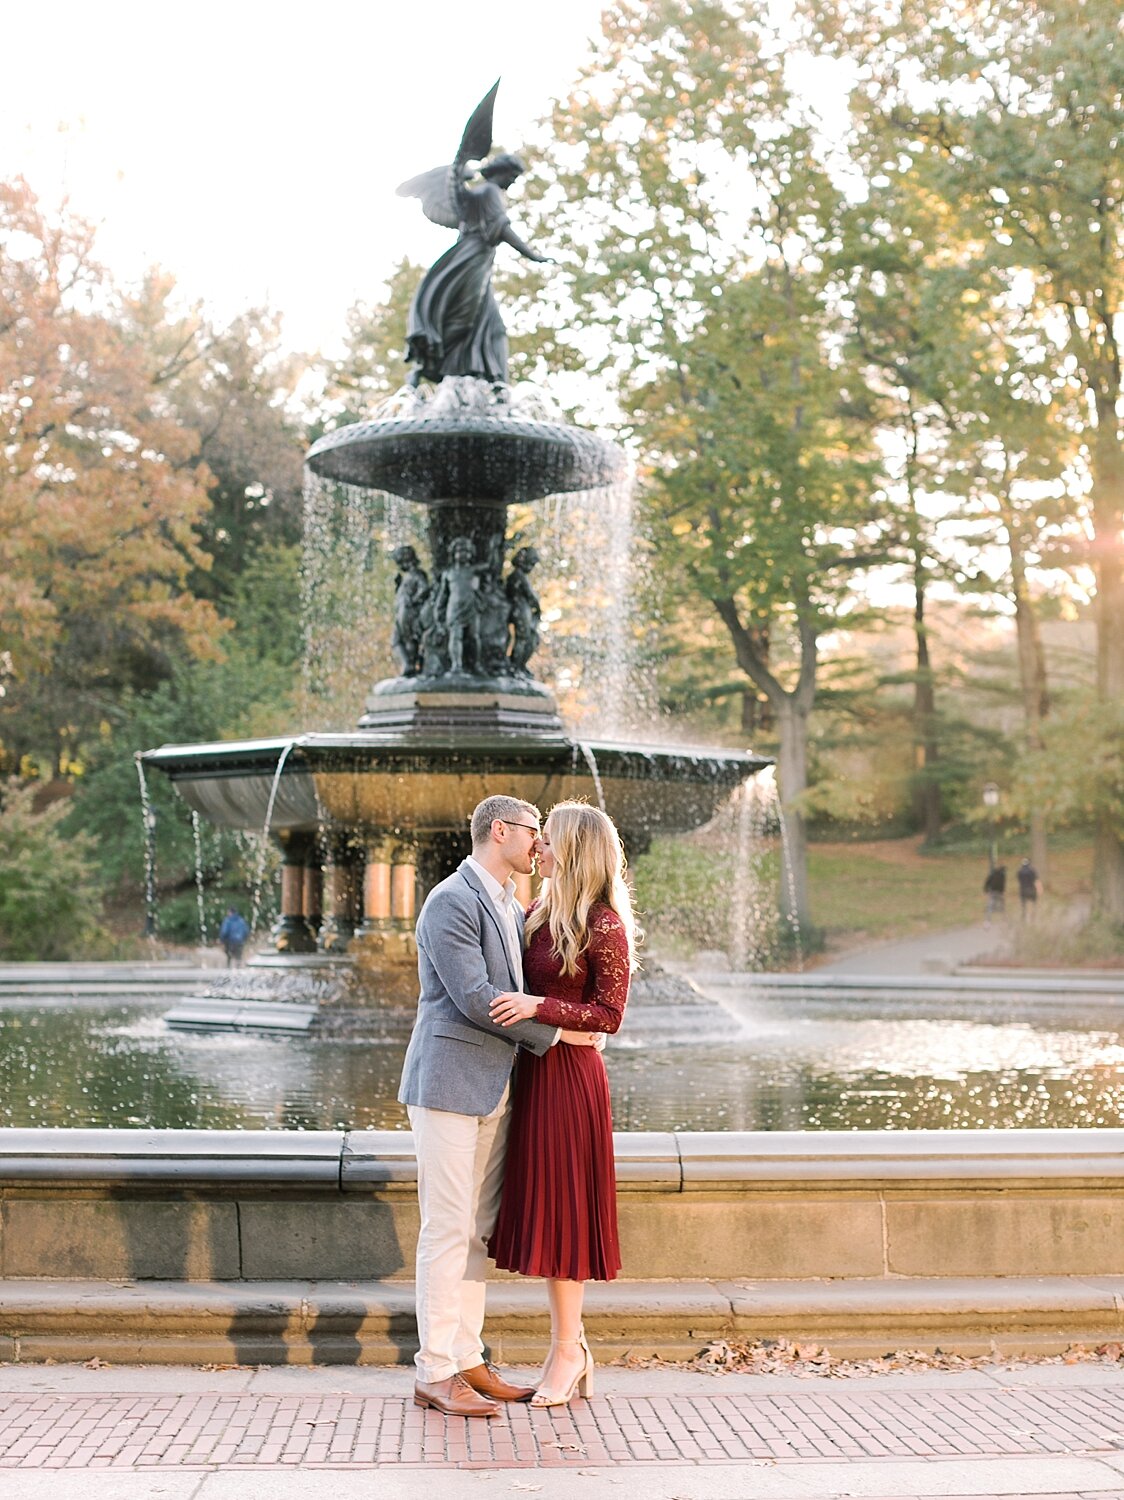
(456, 1084)
(233, 934)
(995, 889)
(1029, 886)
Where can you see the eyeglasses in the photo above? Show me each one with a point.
(529, 826)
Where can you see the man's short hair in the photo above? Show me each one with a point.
(506, 809)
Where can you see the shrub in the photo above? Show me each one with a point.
(49, 903)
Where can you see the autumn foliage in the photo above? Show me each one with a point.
(101, 497)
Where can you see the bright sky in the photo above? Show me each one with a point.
(253, 148)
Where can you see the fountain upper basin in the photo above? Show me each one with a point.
(467, 456)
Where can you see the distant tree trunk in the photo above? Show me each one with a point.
(1032, 679)
(927, 788)
(1108, 506)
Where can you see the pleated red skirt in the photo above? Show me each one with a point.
(558, 1212)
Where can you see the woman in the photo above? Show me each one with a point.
(558, 1215)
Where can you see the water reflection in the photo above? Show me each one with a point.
(773, 1064)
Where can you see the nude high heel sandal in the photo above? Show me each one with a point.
(582, 1382)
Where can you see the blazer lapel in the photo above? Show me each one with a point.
(490, 908)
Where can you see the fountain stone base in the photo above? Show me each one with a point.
(402, 707)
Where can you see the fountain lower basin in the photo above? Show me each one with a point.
(426, 783)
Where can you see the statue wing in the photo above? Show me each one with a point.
(475, 144)
(434, 188)
(440, 189)
(476, 141)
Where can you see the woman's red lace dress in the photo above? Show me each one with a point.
(558, 1213)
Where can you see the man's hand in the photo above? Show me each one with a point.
(509, 1008)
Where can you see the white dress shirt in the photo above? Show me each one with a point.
(503, 897)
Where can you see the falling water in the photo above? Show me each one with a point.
(347, 588)
(619, 639)
(197, 840)
(716, 889)
(259, 873)
(148, 822)
(789, 876)
(743, 889)
(591, 650)
(591, 761)
(754, 914)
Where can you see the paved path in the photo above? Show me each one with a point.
(935, 952)
(123, 1434)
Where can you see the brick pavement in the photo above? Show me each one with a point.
(210, 1430)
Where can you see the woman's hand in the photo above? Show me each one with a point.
(583, 1039)
(507, 1009)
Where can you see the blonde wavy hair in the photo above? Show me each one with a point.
(589, 867)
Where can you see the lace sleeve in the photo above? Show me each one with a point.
(606, 990)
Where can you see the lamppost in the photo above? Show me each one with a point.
(991, 802)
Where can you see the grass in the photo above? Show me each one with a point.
(877, 891)
(864, 893)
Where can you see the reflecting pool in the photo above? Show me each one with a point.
(765, 1063)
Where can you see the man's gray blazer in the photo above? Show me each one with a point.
(458, 1059)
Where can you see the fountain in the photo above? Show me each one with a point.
(369, 820)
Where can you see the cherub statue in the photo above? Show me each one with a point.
(457, 606)
(525, 610)
(454, 326)
(411, 590)
(494, 626)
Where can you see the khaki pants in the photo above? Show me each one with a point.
(460, 1175)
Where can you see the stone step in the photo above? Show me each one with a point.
(305, 1322)
(201, 1013)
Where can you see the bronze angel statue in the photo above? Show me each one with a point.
(455, 327)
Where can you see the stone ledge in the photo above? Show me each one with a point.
(358, 1161)
(713, 1158)
(300, 1322)
(176, 1158)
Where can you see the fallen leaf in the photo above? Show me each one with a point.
(813, 1361)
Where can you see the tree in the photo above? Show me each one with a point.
(251, 691)
(49, 905)
(101, 496)
(695, 223)
(1011, 451)
(230, 387)
(374, 363)
(766, 485)
(903, 277)
(1020, 109)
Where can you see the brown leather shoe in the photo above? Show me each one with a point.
(487, 1381)
(455, 1397)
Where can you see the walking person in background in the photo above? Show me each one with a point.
(558, 1213)
(1029, 887)
(456, 1084)
(995, 889)
(233, 934)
